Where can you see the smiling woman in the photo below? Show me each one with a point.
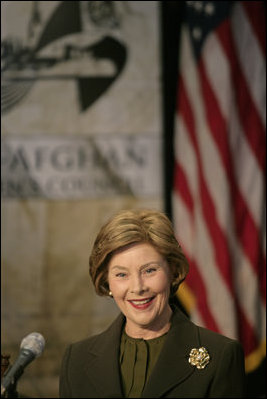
(140, 279)
(152, 349)
(131, 227)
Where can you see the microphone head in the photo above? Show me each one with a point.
(35, 342)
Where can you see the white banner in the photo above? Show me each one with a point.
(81, 138)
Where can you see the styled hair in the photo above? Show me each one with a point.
(133, 227)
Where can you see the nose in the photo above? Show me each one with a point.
(137, 285)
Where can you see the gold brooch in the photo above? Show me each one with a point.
(199, 357)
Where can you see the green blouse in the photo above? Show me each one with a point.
(137, 359)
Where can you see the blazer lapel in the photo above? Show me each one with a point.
(102, 366)
(181, 338)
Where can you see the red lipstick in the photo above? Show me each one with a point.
(141, 304)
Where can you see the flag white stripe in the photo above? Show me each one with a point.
(219, 297)
(218, 187)
(182, 222)
(244, 273)
(248, 174)
(232, 171)
(255, 72)
(213, 169)
(185, 153)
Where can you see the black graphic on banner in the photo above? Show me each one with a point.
(23, 65)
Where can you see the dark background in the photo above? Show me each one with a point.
(172, 14)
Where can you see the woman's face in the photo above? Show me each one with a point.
(139, 279)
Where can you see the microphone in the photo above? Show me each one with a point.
(31, 347)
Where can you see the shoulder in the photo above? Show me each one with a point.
(222, 345)
(216, 339)
(222, 349)
(96, 343)
(81, 347)
(205, 336)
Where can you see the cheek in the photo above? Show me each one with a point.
(116, 287)
(162, 285)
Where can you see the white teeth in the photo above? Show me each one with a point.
(141, 302)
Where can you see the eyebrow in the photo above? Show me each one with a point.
(119, 267)
(141, 267)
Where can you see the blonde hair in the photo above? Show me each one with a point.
(136, 226)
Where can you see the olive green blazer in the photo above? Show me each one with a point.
(90, 368)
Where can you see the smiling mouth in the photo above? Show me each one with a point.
(141, 303)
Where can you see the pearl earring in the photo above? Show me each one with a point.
(110, 294)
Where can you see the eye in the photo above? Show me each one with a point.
(150, 270)
(121, 275)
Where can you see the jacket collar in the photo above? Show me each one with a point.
(103, 369)
(182, 337)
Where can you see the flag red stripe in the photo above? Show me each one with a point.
(255, 13)
(195, 282)
(241, 272)
(248, 115)
(181, 185)
(246, 332)
(246, 229)
(222, 253)
(216, 234)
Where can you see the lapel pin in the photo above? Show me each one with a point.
(199, 357)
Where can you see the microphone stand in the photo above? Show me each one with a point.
(11, 391)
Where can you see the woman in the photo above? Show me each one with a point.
(152, 349)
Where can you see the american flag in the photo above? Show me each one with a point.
(218, 200)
